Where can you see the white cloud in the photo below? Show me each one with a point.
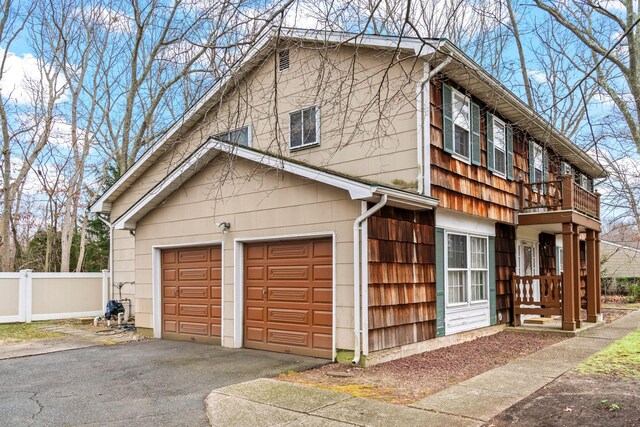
(115, 21)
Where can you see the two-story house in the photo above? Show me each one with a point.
(340, 192)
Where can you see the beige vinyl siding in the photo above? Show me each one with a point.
(619, 261)
(382, 148)
(257, 202)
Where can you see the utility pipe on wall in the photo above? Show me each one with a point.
(423, 106)
(108, 224)
(357, 282)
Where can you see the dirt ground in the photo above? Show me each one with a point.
(577, 401)
(407, 380)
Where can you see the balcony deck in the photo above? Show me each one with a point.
(558, 201)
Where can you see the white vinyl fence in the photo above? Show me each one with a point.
(27, 296)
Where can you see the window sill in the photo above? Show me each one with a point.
(302, 147)
(461, 158)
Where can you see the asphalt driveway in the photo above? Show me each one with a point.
(151, 382)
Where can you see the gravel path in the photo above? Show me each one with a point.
(407, 380)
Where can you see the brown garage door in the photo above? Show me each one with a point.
(191, 294)
(288, 297)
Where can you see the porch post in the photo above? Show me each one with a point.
(598, 274)
(592, 285)
(568, 320)
(576, 278)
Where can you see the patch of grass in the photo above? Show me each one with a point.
(620, 359)
(627, 306)
(18, 332)
(361, 390)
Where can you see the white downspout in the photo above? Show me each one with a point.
(108, 224)
(424, 125)
(357, 320)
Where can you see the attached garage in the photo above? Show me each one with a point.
(288, 296)
(191, 293)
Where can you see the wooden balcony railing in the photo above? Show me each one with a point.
(537, 295)
(560, 194)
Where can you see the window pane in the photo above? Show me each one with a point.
(478, 285)
(461, 111)
(457, 286)
(457, 251)
(461, 141)
(498, 135)
(295, 139)
(537, 175)
(500, 161)
(478, 252)
(309, 125)
(537, 156)
(239, 136)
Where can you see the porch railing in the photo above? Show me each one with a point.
(546, 303)
(559, 194)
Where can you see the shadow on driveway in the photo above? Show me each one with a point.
(151, 382)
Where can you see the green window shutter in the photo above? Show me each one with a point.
(531, 161)
(545, 170)
(475, 134)
(509, 152)
(493, 314)
(447, 118)
(440, 330)
(490, 152)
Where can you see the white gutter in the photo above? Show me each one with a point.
(108, 224)
(423, 104)
(357, 285)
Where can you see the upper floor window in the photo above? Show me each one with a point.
(240, 136)
(283, 60)
(538, 163)
(566, 169)
(461, 124)
(304, 127)
(499, 147)
(586, 182)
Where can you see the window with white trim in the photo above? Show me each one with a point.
(461, 110)
(499, 147)
(538, 163)
(467, 268)
(565, 168)
(304, 127)
(239, 136)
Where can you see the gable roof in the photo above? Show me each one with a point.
(358, 189)
(471, 75)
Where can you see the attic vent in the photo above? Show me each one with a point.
(283, 60)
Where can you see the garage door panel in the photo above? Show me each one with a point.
(255, 273)
(288, 337)
(288, 294)
(255, 314)
(322, 272)
(294, 315)
(170, 326)
(255, 252)
(288, 272)
(170, 309)
(169, 274)
(193, 274)
(253, 333)
(169, 291)
(295, 250)
(193, 310)
(254, 293)
(322, 249)
(169, 257)
(322, 341)
(192, 328)
(322, 318)
(322, 295)
(193, 292)
(216, 330)
(193, 255)
(192, 298)
(284, 315)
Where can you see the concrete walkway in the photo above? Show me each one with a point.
(469, 403)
